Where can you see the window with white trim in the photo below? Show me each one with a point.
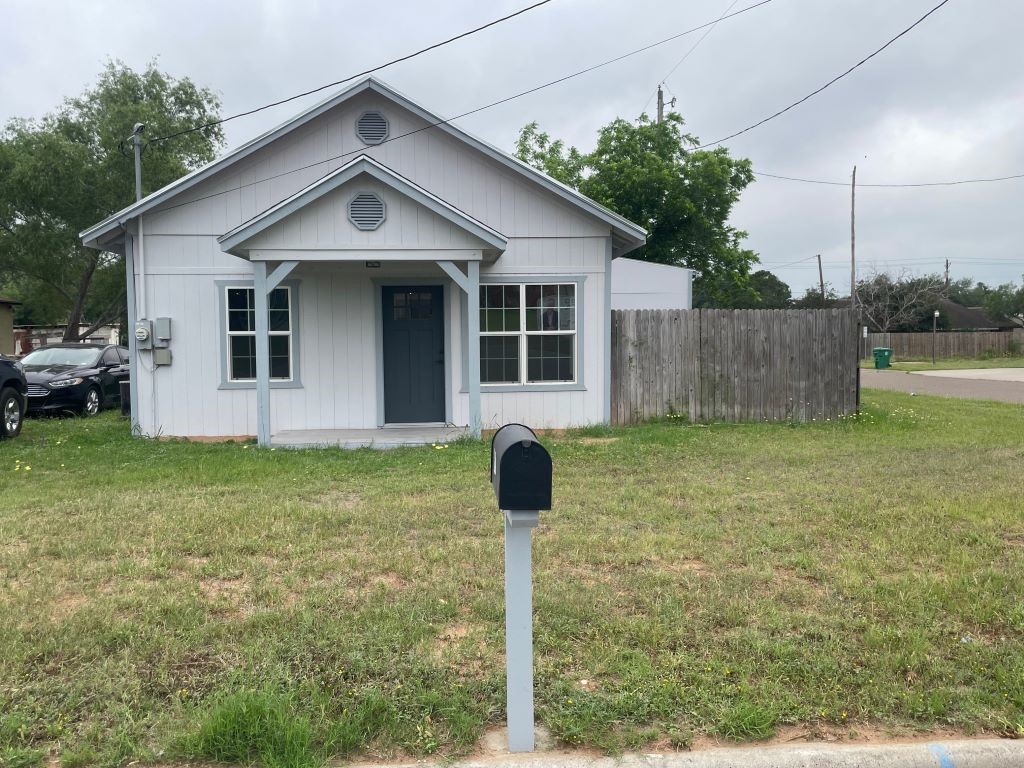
(240, 306)
(529, 323)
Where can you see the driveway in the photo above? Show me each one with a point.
(1006, 384)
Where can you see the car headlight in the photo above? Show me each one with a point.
(59, 383)
(19, 366)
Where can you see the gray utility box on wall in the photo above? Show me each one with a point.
(162, 330)
(521, 477)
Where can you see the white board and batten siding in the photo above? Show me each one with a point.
(337, 334)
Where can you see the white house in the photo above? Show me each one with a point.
(366, 273)
(647, 285)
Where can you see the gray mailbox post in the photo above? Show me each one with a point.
(521, 476)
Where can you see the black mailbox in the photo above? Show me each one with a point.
(520, 469)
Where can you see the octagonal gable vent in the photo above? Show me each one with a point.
(372, 127)
(366, 211)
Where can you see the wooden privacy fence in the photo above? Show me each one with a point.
(907, 346)
(734, 364)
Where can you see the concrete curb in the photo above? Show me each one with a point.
(980, 753)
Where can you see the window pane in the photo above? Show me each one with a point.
(490, 320)
(567, 319)
(278, 298)
(279, 349)
(532, 296)
(243, 357)
(511, 293)
(240, 298)
(551, 358)
(277, 302)
(512, 319)
(499, 359)
(421, 306)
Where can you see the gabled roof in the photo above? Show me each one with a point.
(626, 234)
(233, 241)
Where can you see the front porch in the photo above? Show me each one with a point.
(406, 362)
(383, 438)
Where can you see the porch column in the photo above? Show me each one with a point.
(262, 286)
(473, 326)
(259, 280)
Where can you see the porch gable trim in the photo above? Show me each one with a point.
(233, 242)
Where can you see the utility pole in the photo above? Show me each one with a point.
(821, 282)
(661, 104)
(947, 274)
(853, 240)
(136, 138)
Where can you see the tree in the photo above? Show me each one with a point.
(67, 171)
(901, 302)
(966, 293)
(1006, 302)
(763, 290)
(812, 299)
(772, 292)
(652, 174)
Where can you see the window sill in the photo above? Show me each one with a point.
(555, 387)
(252, 385)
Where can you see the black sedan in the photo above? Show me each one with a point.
(75, 377)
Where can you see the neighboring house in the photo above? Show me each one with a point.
(29, 337)
(7, 325)
(961, 318)
(367, 265)
(648, 285)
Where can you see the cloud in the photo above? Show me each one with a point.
(946, 101)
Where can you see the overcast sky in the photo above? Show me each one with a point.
(944, 102)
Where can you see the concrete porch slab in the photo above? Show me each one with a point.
(383, 438)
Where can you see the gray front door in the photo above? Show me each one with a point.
(413, 336)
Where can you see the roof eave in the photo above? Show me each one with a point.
(627, 229)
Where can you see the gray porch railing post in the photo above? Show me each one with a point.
(259, 281)
(473, 328)
(519, 628)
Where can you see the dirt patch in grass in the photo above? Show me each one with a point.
(65, 604)
(230, 592)
(335, 498)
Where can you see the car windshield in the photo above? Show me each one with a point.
(62, 356)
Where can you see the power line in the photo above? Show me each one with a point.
(446, 121)
(687, 54)
(835, 79)
(352, 77)
(919, 184)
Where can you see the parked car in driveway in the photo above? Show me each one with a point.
(12, 397)
(75, 377)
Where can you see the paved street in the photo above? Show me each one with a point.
(1007, 384)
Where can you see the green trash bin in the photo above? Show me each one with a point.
(883, 357)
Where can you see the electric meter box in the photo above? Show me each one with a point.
(143, 334)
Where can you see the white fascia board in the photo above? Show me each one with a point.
(232, 242)
(632, 235)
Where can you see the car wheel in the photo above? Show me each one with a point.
(12, 412)
(91, 404)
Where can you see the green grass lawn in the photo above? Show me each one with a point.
(951, 364)
(166, 601)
